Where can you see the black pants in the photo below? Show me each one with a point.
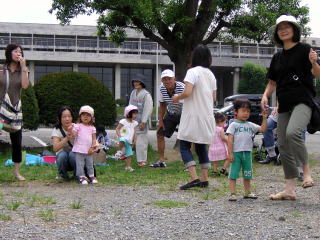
(16, 139)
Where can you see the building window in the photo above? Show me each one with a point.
(103, 74)
(41, 70)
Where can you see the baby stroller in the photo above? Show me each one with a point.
(261, 154)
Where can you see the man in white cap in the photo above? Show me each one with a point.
(169, 112)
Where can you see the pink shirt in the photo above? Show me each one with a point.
(83, 140)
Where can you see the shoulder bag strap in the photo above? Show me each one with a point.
(64, 135)
(7, 80)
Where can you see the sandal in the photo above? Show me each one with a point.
(250, 196)
(232, 197)
(307, 183)
(224, 171)
(141, 164)
(20, 178)
(282, 196)
(215, 174)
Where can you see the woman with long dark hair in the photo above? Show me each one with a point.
(62, 143)
(15, 68)
(197, 122)
(291, 73)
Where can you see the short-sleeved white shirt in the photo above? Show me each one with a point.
(197, 122)
(127, 130)
(242, 133)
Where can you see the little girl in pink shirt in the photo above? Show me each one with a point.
(218, 148)
(85, 144)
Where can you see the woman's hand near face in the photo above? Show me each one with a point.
(22, 62)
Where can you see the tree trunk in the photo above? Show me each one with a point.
(181, 61)
(181, 69)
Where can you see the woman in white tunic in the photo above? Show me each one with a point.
(197, 121)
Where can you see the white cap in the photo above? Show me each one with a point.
(86, 109)
(167, 73)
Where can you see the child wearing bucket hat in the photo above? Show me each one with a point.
(291, 73)
(85, 144)
(127, 135)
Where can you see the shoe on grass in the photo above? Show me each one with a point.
(194, 183)
(250, 196)
(129, 169)
(93, 180)
(83, 180)
(118, 155)
(224, 171)
(158, 164)
(141, 164)
(215, 174)
(232, 197)
(204, 184)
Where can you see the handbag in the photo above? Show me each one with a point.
(10, 115)
(314, 124)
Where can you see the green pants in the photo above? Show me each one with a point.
(292, 147)
(241, 160)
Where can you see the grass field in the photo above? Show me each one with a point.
(113, 174)
(166, 179)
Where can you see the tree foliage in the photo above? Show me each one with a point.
(30, 109)
(180, 25)
(253, 78)
(73, 89)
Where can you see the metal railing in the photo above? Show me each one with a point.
(98, 45)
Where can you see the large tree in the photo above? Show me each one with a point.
(179, 25)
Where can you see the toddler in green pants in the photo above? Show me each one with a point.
(240, 145)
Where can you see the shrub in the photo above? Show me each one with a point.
(74, 89)
(253, 78)
(30, 109)
(120, 102)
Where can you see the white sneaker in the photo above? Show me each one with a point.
(118, 155)
(93, 180)
(83, 181)
(130, 169)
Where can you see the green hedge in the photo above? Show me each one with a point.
(120, 102)
(30, 109)
(253, 78)
(74, 89)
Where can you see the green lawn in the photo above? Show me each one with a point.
(114, 174)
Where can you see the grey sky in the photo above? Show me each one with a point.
(36, 11)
